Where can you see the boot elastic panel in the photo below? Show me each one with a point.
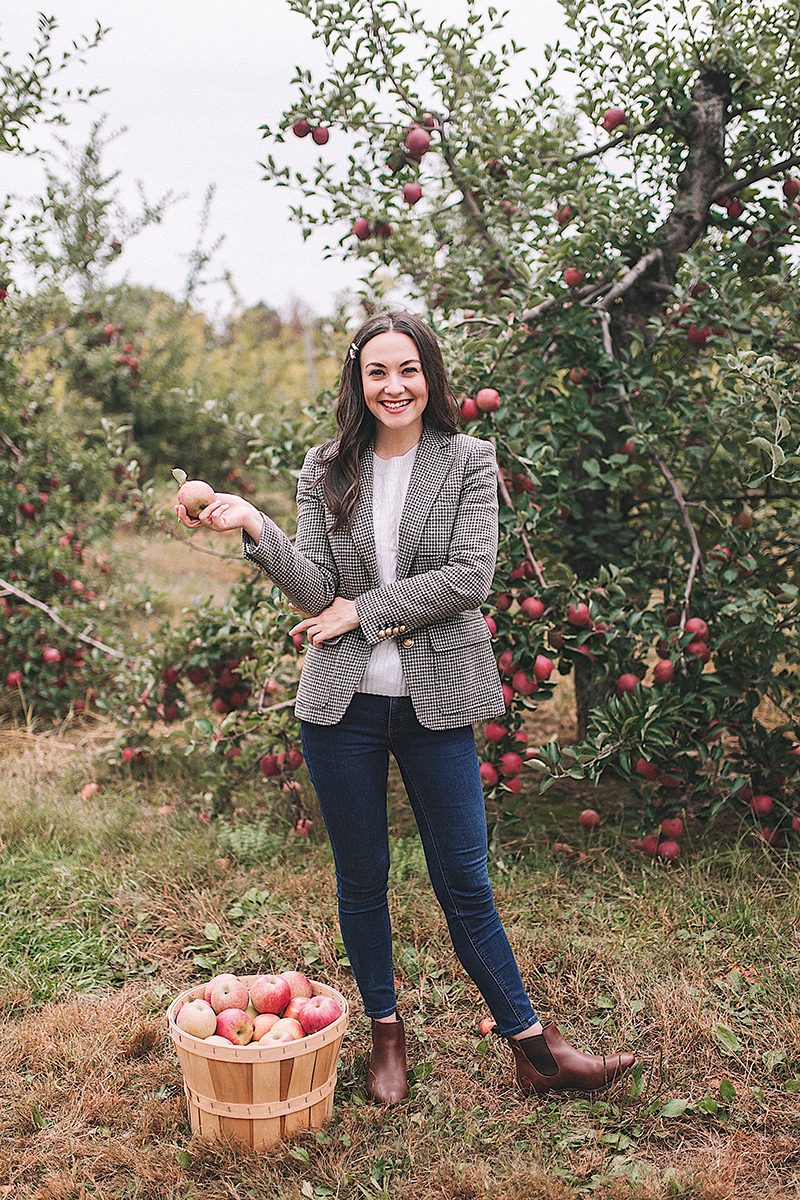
(538, 1054)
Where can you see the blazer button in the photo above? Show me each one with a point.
(395, 631)
(408, 643)
(381, 633)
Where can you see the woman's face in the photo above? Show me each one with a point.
(395, 389)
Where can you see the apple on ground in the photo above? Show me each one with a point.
(197, 1018)
(671, 828)
(318, 1012)
(486, 1026)
(228, 991)
(299, 984)
(89, 790)
(270, 993)
(589, 818)
(286, 1029)
(770, 836)
(650, 845)
(235, 1025)
(669, 850)
(262, 1024)
(761, 806)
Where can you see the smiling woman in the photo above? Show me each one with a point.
(394, 554)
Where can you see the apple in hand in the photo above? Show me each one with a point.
(195, 495)
(263, 1023)
(235, 1025)
(318, 1012)
(228, 991)
(299, 984)
(270, 993)
(197, 1018)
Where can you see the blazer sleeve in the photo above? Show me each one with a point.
(305, 572)
(465, 579)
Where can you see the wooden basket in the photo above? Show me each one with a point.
(259, 1094)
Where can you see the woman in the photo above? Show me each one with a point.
(395, 551)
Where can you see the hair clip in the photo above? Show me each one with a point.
(353, 350)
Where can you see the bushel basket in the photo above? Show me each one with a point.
(259, 1093)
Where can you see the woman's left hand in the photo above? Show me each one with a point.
(338, 618)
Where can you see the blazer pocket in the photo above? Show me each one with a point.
(464, 630)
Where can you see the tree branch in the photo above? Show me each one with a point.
(755, 176)
(82, 637)
(506, 495)
(630, 278)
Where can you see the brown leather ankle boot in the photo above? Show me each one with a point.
(387, 1078)
(547, 1063)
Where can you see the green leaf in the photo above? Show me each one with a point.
(727, 1091)
(179, 476)
(212, 931)
(674, 1108)
(727, 1040)
(203, 725)
(708, 1105)
(183, 1158)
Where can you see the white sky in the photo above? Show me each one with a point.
(192, 80)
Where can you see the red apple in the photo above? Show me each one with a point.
(412, 192)
(720, 553)
(791, 188)
(269, 764)
(698, 629)
(320, 135)
(577, 614)
(195, 495)
(508, 693)
(383, 229)
(489, 774)
(299, 984)
(491, 625)
(522, 684)
(770, 836)
(698, 337)
(510, 763)
(361, 228)
(488, 400)
(469, 410)
(270, 993)
(287, 1029)
(263, 1023)
(51, 655)
(700, 649)
(542, 667)
(627, 682)
(319, 1012)
(486, 1026)
(735, 208)
(228, 991)
(589, 818)
(574, 277)
(235, 1025)
(613, 118)
(671, 827)
(649, 845)
(532, 608)
(761, 806)
(14, 678)
(503, 602)
(301, 128)
(564, 214)
(647, 769)
(669, 851)
(495, 732)
(796, 824)
(663, 671)
(505, 662)
(418, 141)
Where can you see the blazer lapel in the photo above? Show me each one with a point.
(433, 461)
(363, 532)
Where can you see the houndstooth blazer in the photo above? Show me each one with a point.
(446, 559)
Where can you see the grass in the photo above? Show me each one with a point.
(109, 908)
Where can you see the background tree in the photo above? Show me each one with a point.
(618, 268)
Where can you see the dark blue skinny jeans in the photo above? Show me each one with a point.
(349, 764)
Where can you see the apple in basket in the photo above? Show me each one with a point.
(319, 1012)
(270, 993)
(295, 1007)
(263, 1023)
(235, 1025)
(284, 1030)
(299, 983)
(197, 1018)
(228, 991)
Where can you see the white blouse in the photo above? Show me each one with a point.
(390, 477)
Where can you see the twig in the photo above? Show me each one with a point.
(44, 338)
(504, 492)
(275, 707)
(754, 176)
(630, 278)
(83, 637)
(14, 449)
(658, 123)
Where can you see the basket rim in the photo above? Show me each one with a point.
(254, 1051)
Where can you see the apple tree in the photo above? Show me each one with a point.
(608, 250)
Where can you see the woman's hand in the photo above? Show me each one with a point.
(225, 512)
(338, 618)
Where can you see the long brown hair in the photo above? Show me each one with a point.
(341, 458)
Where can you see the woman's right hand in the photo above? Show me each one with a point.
(225, 512)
